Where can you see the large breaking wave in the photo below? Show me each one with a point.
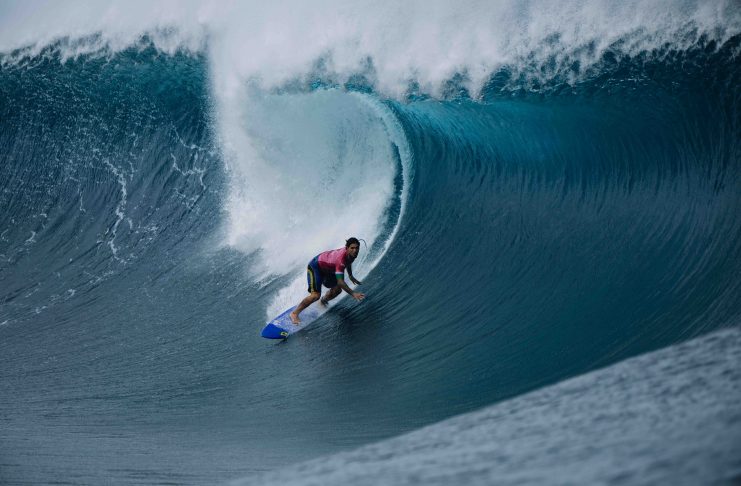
(539, 198)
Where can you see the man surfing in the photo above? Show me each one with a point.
(328, 269)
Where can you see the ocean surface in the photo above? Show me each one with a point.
(667, 417)
(544, 191)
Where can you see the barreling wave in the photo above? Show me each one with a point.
(557, 201)
(565, 228)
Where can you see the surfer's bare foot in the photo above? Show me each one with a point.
(294, 318)
(324, 302)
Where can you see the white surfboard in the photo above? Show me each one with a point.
(281, 327)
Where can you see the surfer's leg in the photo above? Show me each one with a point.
(331, 294)
(314, 279)
(310, 299)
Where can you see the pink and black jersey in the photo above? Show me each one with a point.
(333, 262)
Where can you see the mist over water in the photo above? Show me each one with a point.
(391, 45)
(543, 189)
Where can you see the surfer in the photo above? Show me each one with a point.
(328, 269)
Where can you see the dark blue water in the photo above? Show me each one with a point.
(547, 230)
(665, 417)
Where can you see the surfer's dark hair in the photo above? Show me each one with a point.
(350, 241)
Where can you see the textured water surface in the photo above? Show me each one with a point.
(542, 191)
(670, 416)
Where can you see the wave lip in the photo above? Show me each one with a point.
(393, 45)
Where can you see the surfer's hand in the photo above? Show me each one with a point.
(358, 296)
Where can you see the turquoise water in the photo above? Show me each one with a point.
(533, 231)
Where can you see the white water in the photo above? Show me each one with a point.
(309, 170)
(427, 41)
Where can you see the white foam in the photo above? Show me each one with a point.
(120, 208)
(423, 40)
(309, 170)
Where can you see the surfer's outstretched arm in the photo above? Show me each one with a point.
(352, 278)
(355, 295)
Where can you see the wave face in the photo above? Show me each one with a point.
(553, 203)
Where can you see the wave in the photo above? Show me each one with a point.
(389, 45)
(538, 201)
(307, 171)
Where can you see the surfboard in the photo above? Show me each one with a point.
(281, 327)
